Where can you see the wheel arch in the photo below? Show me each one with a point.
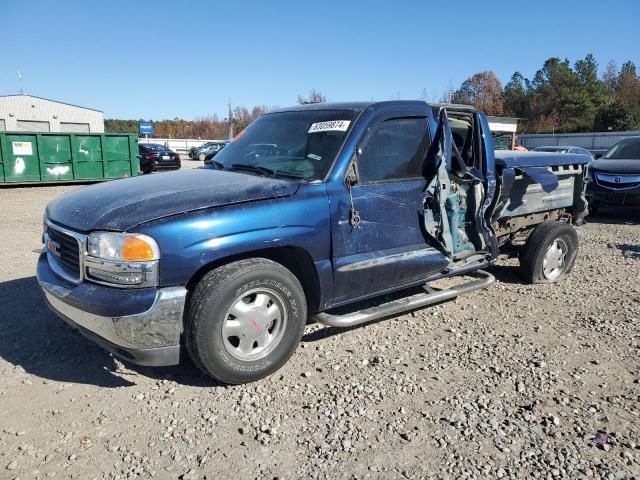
(296, 259)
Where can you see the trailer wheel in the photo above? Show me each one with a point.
(549, 253)
(244, 320)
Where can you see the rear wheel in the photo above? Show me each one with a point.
(245, 320)
(549, 253)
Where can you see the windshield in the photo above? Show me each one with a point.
(625, 150)
(299, 145)
(151, 147)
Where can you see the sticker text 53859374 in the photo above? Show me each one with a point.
(333, 125)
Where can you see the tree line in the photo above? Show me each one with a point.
(210, 127)
(561, 97)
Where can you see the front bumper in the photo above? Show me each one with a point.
(597, 194)
(143, 327)
(167, 166)
(611, 188)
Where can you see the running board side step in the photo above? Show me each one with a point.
(405, 304)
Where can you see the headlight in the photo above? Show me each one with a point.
(122, 259)
(588, 177)
(126, 247)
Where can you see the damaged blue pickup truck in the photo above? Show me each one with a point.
(334, 213)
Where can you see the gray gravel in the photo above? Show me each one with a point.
(516, 381)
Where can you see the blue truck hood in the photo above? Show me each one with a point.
(122, 204)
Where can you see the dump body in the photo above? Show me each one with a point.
(62, 157)
(539, 182)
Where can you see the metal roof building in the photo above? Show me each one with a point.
(27, 113)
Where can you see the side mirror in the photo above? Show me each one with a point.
(351, 178)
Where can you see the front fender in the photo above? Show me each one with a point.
(210, 250)
(189, 242)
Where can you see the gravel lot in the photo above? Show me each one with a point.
(511, 382)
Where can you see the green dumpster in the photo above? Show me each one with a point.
(64, 157)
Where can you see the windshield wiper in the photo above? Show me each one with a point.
(213, 163)
(252, 168)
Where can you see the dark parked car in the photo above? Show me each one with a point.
(614, 179)
(212, 151)
(208, 150)
(564, 149)
(194, 151)
(154, 157)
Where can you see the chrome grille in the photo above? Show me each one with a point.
(64, 250)
(618, 182)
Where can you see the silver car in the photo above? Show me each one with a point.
(564, 149)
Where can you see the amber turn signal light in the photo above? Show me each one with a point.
(136, 249)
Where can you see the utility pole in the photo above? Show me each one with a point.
(20, 82)
(230, 121)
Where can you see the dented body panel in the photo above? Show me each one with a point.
(535, 182)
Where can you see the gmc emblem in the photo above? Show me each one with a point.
(53, 248)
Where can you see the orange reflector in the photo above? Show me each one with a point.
(136, 249)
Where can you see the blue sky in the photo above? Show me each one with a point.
(166, 59)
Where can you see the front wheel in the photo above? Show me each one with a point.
(245, 320)
(549, 253)
(201, 157)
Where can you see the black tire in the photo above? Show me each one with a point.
(209, 308)
(539, 244)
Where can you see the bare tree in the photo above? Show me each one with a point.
(610, 77)
(484, 91)
(314, 97)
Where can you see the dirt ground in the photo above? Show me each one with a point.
(516, 381)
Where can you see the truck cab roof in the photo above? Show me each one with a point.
(355, 106)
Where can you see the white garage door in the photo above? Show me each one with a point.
(74, 127)
(3, 126)
(32, 126)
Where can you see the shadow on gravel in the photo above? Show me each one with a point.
(328, 332)
(34, 338)
(631, 251)
(507, 274)
(615, 216)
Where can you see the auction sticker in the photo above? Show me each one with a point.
(331, 126)
(22, 148)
